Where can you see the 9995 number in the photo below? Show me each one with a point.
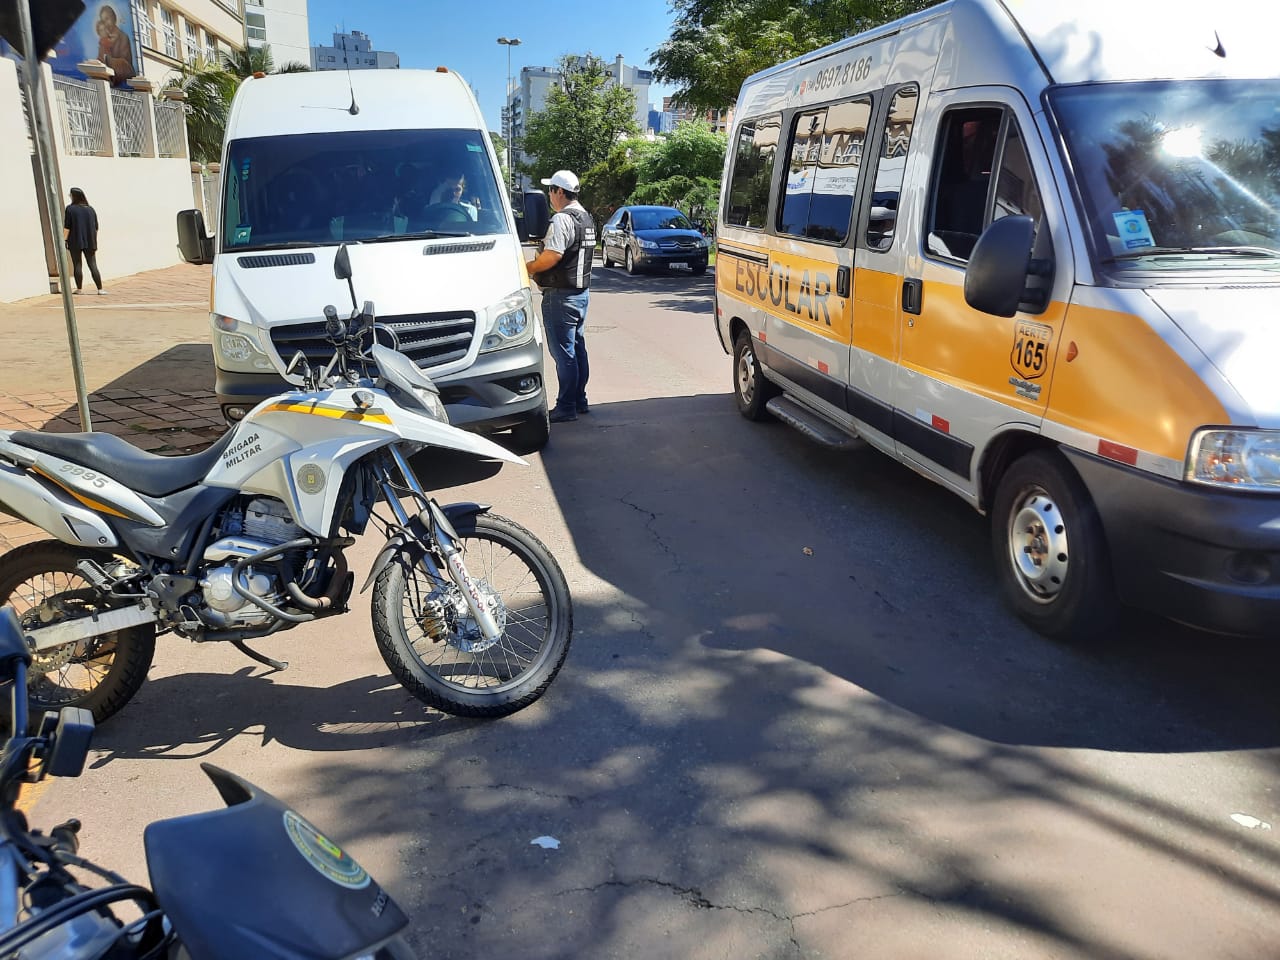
(97, 480)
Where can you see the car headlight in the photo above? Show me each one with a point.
(1239, 459)
(649, 244)
(238, 350)
(431, 403)
(511, 322)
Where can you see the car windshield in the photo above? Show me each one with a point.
(328, 188)
(1177, 175)
(661, 218)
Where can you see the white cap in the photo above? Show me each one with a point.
(564, 179)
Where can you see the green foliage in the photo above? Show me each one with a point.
(716, 44)
(610, 183)
(210, 88)
(584, 117)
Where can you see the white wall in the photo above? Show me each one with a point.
(22, 268)
(137, 199)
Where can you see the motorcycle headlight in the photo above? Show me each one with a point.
(1239, 459)
(431, 403)
(511, 322)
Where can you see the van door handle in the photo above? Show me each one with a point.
(842, 281)
(912, 294)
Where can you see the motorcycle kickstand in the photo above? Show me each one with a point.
(260, 657)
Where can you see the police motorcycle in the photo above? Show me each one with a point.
(252, 880)
(471, 613)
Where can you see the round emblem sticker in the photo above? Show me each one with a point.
(322, 853)
(310, 478)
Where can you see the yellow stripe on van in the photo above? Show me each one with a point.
(337, 413)
(1127, 385)
(797, 289)
(875, 312)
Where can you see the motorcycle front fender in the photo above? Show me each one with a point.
(409, 544)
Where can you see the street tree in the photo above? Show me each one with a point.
(716, 44)
(611, 182)
(585, 116)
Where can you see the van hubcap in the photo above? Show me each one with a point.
(1038, 545)
(746, 376)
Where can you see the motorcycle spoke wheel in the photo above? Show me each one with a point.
(431, 642)
(100, 674)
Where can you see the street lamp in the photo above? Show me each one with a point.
(509, 125)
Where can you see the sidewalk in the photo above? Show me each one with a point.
(150, 380)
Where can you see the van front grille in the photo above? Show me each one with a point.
(428, 339)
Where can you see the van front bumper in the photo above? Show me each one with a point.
(498, 391)
(1203, 557)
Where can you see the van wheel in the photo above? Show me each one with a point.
(1050, 550)
(530, 436)
(750, 387)
(631, 262)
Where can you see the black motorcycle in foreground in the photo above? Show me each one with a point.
(252, 880)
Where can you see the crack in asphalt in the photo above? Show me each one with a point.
(649, 527)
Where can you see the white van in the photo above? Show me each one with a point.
(397, 164)
(1032, 251)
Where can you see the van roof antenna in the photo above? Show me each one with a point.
(353, 109)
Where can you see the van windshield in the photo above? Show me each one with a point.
(1177, 175)
(328, 188)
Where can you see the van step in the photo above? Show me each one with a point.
(815, 427)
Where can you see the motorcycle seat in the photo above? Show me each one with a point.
(119, 460)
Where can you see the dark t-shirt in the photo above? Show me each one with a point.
(82, 221)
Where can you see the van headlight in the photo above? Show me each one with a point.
(1239, 459)
(511, 322)
(236, 345)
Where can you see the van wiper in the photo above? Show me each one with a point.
(283, 245)
(1144, 252)
(419, 235)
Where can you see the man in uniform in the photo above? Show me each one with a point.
(563, 271)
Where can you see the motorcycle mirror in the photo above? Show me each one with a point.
(342, 264)
(342, 271)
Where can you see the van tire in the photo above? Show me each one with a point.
(751, 389)
(1050, 551)
(531, 435)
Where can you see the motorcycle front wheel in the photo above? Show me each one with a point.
(433, 646)
(40, 581)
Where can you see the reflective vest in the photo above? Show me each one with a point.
(573, 272)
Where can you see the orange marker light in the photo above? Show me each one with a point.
(1072, 351)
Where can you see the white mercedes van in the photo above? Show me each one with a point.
(397, 165)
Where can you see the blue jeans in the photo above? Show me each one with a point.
(565, 316)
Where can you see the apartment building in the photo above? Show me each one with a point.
(720, 120)
(353, 51)
(173, 32)
(282, 24)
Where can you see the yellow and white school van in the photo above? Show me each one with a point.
(1032, 251)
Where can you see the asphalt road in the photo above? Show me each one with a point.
(796, 721)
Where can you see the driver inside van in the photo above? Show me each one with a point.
(451, 190)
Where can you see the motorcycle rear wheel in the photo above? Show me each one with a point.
(431, 645)
(41, 582)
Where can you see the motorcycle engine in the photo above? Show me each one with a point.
(258, 525)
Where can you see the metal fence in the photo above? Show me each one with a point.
(171, 130)
(82, 126)
(129, 109)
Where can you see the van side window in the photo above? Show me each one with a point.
(747, 203)
(964, 200)
(822, 177)
(891, 166)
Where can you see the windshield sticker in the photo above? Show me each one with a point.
(1134, 230)
(475, 147)
(323, 854)
(241, 234)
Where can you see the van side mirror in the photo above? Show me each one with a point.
(537, 215)
(194, 243)
(995, 281)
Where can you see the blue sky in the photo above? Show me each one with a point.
(463, 36)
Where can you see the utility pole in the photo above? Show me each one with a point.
(508, 119)
(42, 125)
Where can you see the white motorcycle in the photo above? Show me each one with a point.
(471, 612)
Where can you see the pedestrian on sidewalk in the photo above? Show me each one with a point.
(563, 271)
(80, 230)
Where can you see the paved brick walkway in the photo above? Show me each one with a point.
(163, 420)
